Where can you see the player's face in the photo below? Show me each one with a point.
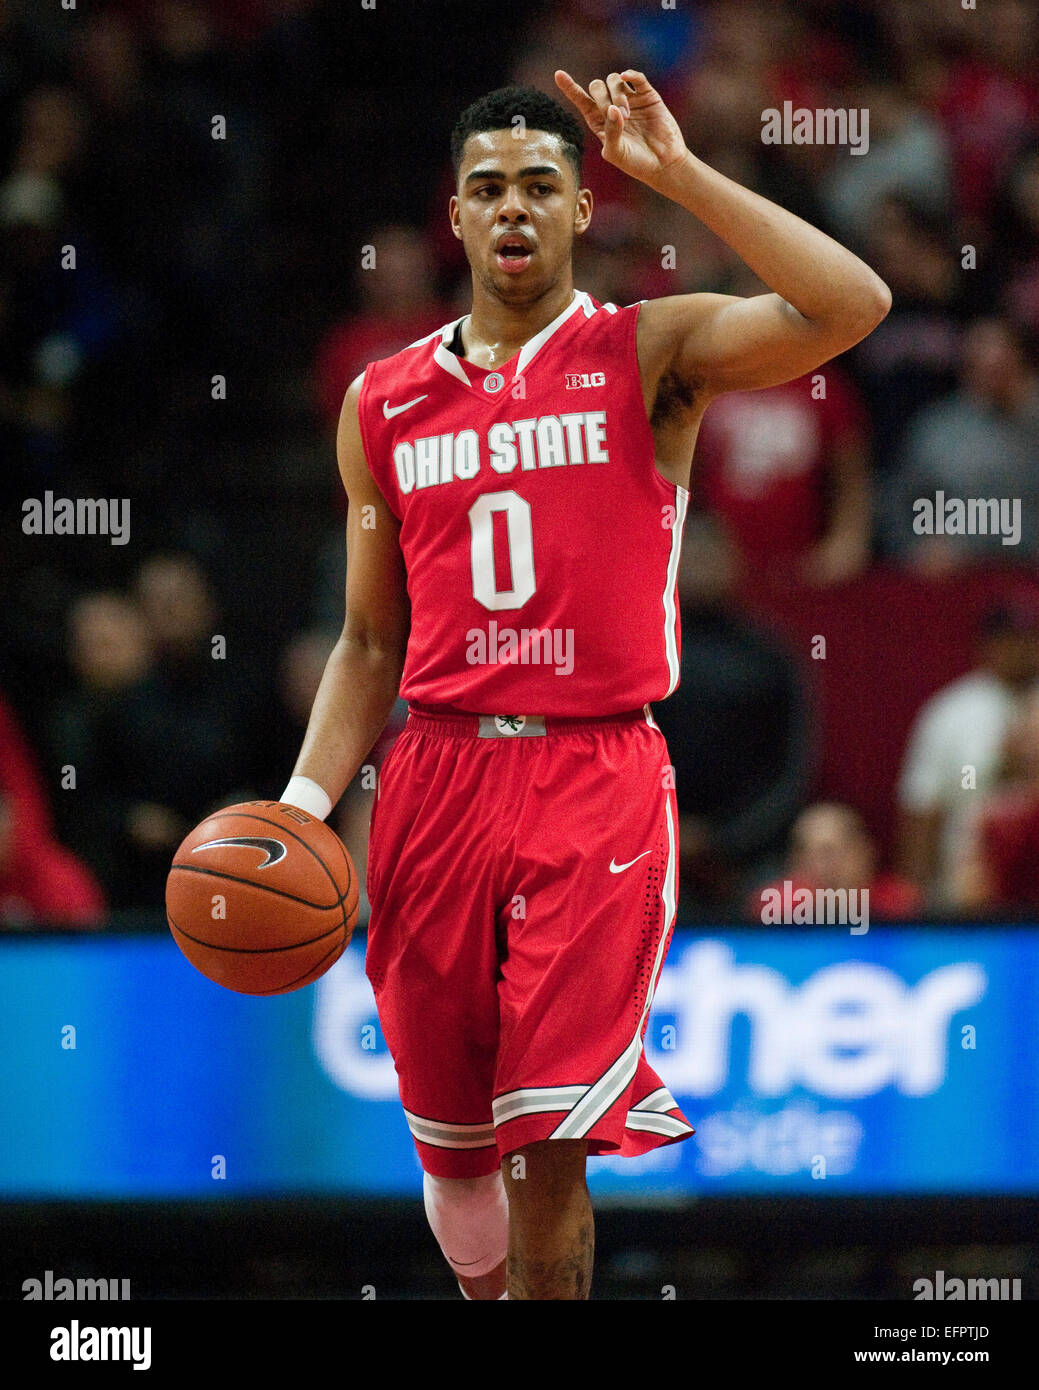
(517, 210)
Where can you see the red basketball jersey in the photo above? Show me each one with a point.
(541, 543)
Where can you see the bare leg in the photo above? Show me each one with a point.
(470, 1219)
(551, 1229)
(485, 1286)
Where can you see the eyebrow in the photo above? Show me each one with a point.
(523, 173)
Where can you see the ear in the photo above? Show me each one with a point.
(452, 213)
(583, 211)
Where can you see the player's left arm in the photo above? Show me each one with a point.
(824, 300)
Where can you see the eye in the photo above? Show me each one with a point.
(542, 188)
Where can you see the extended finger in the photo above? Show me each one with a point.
(577, 94)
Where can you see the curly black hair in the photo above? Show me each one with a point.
(498, 110)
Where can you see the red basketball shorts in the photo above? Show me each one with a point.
(522, 876)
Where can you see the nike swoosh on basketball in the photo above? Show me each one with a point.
(274, 849)
(616, 868)
(390, 410)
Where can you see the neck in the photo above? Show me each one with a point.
(498, 330)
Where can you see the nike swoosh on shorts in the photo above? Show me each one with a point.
(616, 868)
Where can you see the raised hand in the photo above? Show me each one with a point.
(636, 130)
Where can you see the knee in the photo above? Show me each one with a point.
(470, 1219)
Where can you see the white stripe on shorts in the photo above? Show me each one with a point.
(604, 1092)
(448, 1136)
(536, 1100)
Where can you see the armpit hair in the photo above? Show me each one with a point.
(675, 395)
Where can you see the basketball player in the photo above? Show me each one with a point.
(517, 484)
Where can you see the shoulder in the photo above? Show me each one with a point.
(672, 312)
(665, 324)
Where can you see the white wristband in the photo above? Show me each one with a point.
(307, 796)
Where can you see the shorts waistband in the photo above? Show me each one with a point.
(448, 723)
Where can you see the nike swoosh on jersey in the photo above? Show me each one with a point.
(390, 410)
(616, 868)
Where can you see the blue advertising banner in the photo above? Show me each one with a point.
(902, 1061)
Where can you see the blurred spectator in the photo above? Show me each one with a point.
(198, 667)
(58, 323)
(196, 176)
(51, 134)
(907, 156)
(586, 31)
(619, 263)
(990, 104)
(41, 883)
(1014, 277)
(109, 653)
(25, 65)
(110, 68)
(178, 606)
(981, 442)
(789, 475)
(737, 729)
(910, 359)
(660, 39)
(1000, 867)
(830, 847)
(742, 70)
(398, 304)
(955, 746)
(156, 744)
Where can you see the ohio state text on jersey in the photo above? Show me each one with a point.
(541, 543)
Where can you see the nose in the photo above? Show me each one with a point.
(511, 209)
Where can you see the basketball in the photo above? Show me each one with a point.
(262, 898)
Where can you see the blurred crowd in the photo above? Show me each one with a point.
(190, 195)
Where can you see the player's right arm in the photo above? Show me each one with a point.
(362, 676)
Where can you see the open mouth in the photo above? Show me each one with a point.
(513, 253)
